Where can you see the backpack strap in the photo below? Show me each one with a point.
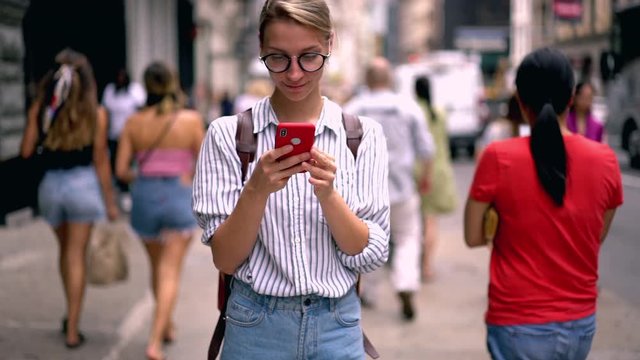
(353, 127)
(246, 140)
(246, 145)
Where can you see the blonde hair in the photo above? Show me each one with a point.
(73, 121)
(162, 88)
(311, 13)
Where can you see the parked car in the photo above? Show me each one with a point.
(457, 88)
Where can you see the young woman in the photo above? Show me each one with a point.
(581, 120)
(441, 198)
(71, 129)
(164, 139)
(296, 234)
(556, 194)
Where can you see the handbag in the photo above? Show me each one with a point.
(106, 256)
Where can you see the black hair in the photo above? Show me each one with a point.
(545, 85)
(579, 87)
(423, 91)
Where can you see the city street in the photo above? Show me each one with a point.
(449, 323)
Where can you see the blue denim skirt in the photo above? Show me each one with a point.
(569, 340)
(71, 195)
(306, 327)
(161, 203)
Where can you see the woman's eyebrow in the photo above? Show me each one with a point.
(314, 48)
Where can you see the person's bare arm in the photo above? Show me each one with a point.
(425, 177)
(30, 135)
(101, 162)
(608, 219)
(125, 152)
(473, 222)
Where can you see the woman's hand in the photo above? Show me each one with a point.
(271, 175)
(113, 212)
(322, 168)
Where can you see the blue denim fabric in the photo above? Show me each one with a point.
(287, 328)
(71, 195)
(160, 203)
(570, 340)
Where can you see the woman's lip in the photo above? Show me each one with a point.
(295, 86)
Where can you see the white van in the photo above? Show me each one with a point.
(456, 87)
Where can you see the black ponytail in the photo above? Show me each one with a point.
(549, 153)
(423, 91)
(545, 85)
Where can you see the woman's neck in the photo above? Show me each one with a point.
(306, 110)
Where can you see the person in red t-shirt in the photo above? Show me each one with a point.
(556, 194)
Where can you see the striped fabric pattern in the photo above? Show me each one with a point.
(295, 253)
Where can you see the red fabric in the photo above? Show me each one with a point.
(544, 262)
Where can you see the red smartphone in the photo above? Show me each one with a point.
(300, 135)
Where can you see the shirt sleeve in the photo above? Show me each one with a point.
(373, 205)
(486, 178)
(216, 184)
(614, 182)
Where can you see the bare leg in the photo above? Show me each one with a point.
(167, 269)
(73, 238)
(429, 246)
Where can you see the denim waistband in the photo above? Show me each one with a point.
(292, 303)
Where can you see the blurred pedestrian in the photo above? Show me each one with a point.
(441, 197)
(164, 139)
(77, 183)
(255, 90)
(409, 142)
(510, 125)
(555, 194)
(226, 104)
(121, 98)
(581, 119)
(298, 232)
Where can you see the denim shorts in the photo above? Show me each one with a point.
(570, 340)
(306, 327)
(160, 203)
(71, 195)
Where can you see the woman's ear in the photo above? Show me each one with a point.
(330, 42)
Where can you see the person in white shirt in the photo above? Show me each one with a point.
(121, 98)
(409, 142)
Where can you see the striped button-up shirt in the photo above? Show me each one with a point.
(295, 253)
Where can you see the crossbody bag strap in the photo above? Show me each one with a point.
(154, 145)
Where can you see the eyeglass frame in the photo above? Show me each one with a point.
(289, 58)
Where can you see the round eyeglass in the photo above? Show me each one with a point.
(308, 62)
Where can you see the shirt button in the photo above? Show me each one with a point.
(297, 240)
(307, 302)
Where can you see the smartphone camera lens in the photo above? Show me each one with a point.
(283, 132)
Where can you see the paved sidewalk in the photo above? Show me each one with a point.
(450, 310)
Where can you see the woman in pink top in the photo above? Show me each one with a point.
(164, 140)
(556, 194)
(581, 120)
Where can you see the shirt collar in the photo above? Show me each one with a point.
(330, 116)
